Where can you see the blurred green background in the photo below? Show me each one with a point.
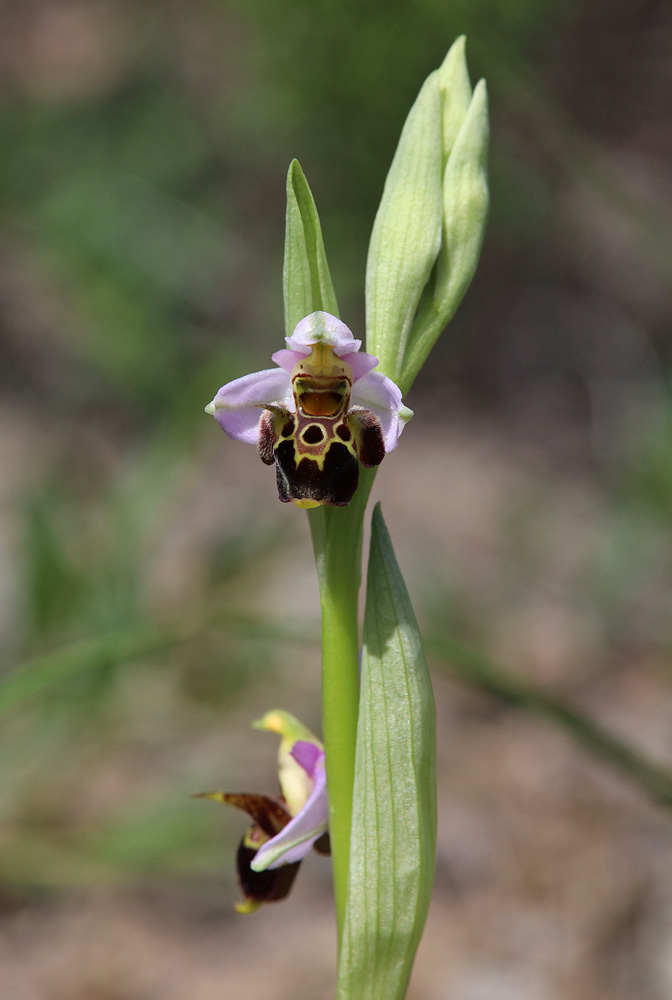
(155, 597)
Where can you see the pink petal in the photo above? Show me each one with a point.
(379, 394)
(236, 407)
(360, 363)
(296, 839)
(306, 755)
(322, 327)
(288, 359)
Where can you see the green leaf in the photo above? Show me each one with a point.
(406, 234)
(465, 204)
(307, 283)
(393, 837)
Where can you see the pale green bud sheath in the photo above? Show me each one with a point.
(465, 208)
(465, 205)
(406, 235)
(455, 88)
(428, 231)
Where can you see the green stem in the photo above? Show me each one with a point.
(337, 543)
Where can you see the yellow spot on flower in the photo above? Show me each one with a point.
(248, 906)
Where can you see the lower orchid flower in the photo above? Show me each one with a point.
(286, 827)
(323, 411)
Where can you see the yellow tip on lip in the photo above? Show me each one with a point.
(270, 723)
(307, 504)
(215, 796)
(249, 906)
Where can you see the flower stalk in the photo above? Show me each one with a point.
(337, 544)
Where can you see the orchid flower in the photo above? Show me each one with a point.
(320, 413)
(284, 828)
